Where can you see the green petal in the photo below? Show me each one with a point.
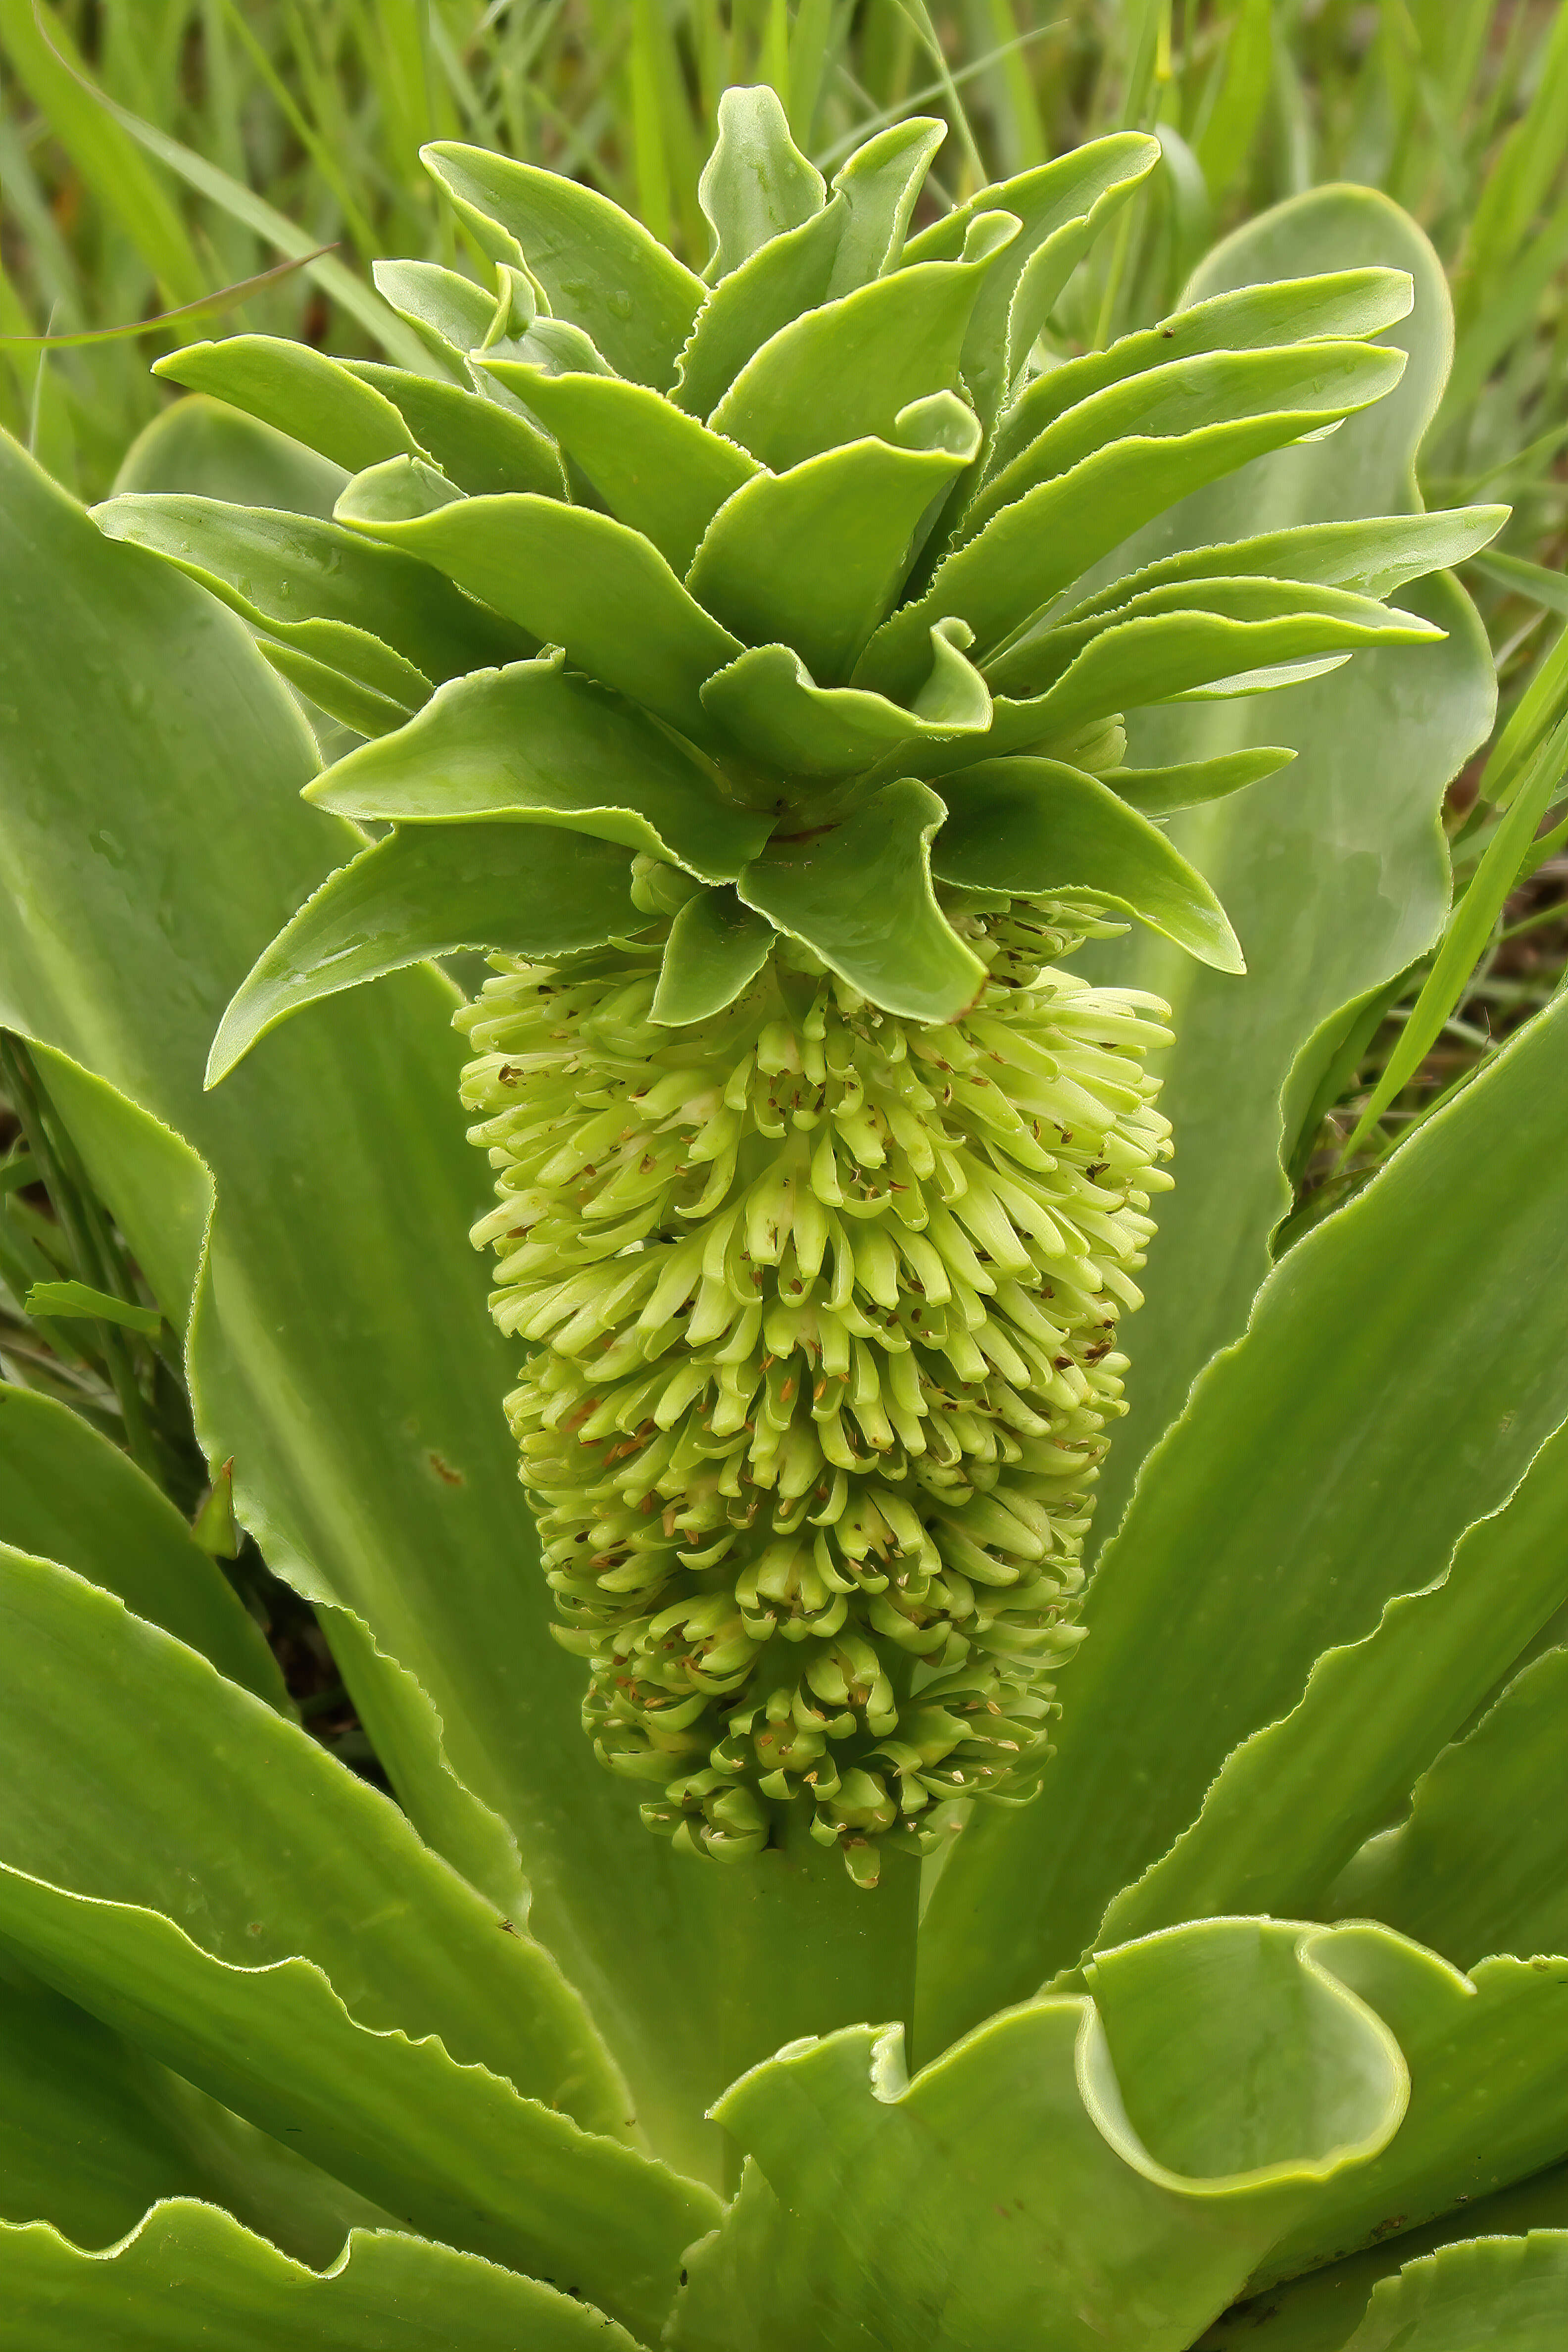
(716, 946)
(756, 183)
(424, 893)
(530, 744)
(600, 268)
(1033, 828)
(860, 893)
(299, 390)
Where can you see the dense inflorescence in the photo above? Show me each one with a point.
(823, 1307)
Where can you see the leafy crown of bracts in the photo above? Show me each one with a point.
(742, 660)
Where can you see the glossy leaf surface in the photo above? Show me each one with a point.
(768, 705)
(298, 390)
(1506, 2290)
(477, 444)
(715, 946)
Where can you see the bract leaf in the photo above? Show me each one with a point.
(1030, 550)
(189, 2279)
(534, 745)
(756, 183)
(298, 390)
(1236, 1543)
(716, 947)
(207, 449)
(814, 557)
(102, 1713)
(783, 279)
(450, 314)
(1062, 206)
(1033, 827)
(656, 469)
(1371, 558)
(424, 892)
(574, 578)
(599, 267)
(879, 185)
(847, 368)
(478, 444)
(1160, 791)
(860, 893)
(1510, 2291)
(1478, 1865)
(766, 703)
(1078, 2150)
(70, 1495)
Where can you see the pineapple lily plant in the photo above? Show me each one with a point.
(817, 1912)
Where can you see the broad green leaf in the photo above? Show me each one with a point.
(191, 2280)
(452, 2148)
(1488, 2055)
(1239, 1562)
(716, 946)
(656, 469)
(68, 1494)
(1481, 1863)
(374, 1467)
(880, 186)
(1510, 2291)
(1033, 827)
(426, 892)
(207, 449)
(767, 703)
(1371, 559)
(298, 390)
(273, 1849)
(756, 183)
(783, 280)
(600, 268)
(1317, 2312)
(1188, 396)
(289, 574)
(1161, 791)
(1334, 886)
(1293, 1801)
(846, 370)
(477, 443)
(814, 557)
(1062, 207)
(860, 895)
(532, 745)
(1032, 549)
(1252, 318)
(574, 579)
(450, 315)
(1087, 2174)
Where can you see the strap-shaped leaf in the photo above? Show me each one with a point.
(599, 267)
(756, 183)
(1505, 2291)
(767, 704)
(426, 892)
(1292, 1803)
(574, 578)
(716, 947)
(202, 446)
(860, 893)
(1032, 549)
(300, 390)
(1252, 318)
(1033, 827)
(278, 570)
(1062, 207)
(656, 469)
(67, 1494)
(1160, 791)
(450, 314)
(1184, 396)
(189, 2279)
(847, 368)
(451, 2149)
(788, 276)
(271, 1849)
(880, 186)
(531, 744)
(1045, 658)
(1480, 1865)
(1166, 2133)
(813, 558)
(478, 444)
(1371, 558)
(353, 677)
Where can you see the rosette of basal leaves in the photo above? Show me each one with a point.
(1242, 2031)
(744, 661)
